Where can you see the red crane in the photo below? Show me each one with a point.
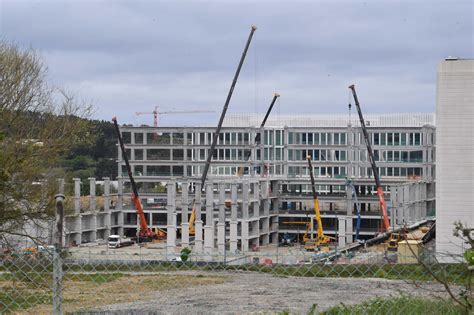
(380, 193)
(145, 231)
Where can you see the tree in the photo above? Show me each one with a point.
(39, 124)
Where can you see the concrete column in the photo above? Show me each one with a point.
(413, 203)
(208, 231)
(107, 219)
(341, 230)
(119, 207)
(184, 215)
(92, 209)
(221, 223)
(424, 205)
(406, 205)
(349, 213)
(233, 219)
(171, 220)
(256, 196)
(198, 245)
(77, 195)
(349, 229)
(400, 206)
(245, 217)
(393, 204)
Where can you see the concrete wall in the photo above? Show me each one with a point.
(455, 151)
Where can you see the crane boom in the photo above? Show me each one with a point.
(257, 136)
(219, 126)
(226, 105)
(317, 211)
(380, 192)
(145, 231)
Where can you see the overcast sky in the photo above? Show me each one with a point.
(128, 56)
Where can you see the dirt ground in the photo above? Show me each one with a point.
(247, 292)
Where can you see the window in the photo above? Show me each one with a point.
(178, 138)
(404, 157)
(416, 156)
(403, 139)
(336, 139)
(323, 138)
(178, 154)
(126, 137)
(178, 170)
(382, 139)
(290, 138)
(310, 138)
(138, 138)
(417, 138)
(316, 138)
(396, 138)
(376, 138)
(396, 156)
(138, 154)
(158, 154)
(390, 138)
(343, 138)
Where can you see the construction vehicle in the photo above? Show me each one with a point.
(354, 195)
(392, 243)
(192, 218)
(240, 172)
(380, 192)
(322, 241)
(115, 241)
(145, 234)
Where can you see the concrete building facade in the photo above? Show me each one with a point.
(455, 151)
(403, 144)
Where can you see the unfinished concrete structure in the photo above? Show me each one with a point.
(403, 145)
(86, 220)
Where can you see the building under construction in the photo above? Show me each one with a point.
(273, 195)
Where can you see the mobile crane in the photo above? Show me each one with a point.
(380, 192)
(145, 233)
(192, 218)
(257, 136)
(321, 239)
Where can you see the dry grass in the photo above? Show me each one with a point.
(83, 294)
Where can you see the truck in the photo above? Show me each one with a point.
(115, 241)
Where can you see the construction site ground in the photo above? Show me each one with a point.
(235, 293)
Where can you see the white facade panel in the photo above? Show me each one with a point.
(454, 152)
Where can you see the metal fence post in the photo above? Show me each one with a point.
(57, 263)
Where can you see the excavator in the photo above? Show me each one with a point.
(145, 233)
(322, 241)
(192, 218)
(380, 192)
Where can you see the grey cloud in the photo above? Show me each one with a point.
(130, 55)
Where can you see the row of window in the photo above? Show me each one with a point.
(274, 137)
(318, 155)
(396, 138)
(317, 138)
(318, 171)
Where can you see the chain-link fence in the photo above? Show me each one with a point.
(280, 280)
